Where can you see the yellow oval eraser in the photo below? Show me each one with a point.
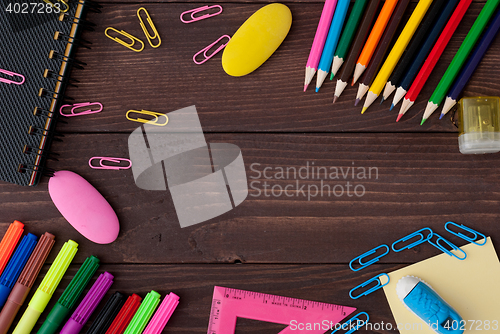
(257, 39)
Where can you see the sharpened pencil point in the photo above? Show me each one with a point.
(441, 116)
(335, 98)
(382, 100)
(392, 107)
(317, 89)
(363, 111)
(332, 76)
(399, 117)
(305, 87)
(356, 102)
(423, 120)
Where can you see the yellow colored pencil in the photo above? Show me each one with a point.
(396, 52)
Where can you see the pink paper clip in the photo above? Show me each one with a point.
(195, 11)
(102, 160)
(12, 74)
(81, 105)
(205, 50)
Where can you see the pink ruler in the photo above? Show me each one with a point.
(229, 304)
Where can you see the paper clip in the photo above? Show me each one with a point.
(102, 160)
(80, 105)
(413, 235)
(372, 261)
(441, 247)
(155, 121)
(347, 325)
(198, 10)
(133, 39)
(151, 24)
(375, 288)
(205, 50)
(465, 237)
(7, 81)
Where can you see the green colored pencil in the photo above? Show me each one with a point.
(461, 56)
(348, 35)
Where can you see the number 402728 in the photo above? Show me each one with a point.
(32, 8)
(479, 325)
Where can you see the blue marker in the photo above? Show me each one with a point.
(326, 60)
(16, 265)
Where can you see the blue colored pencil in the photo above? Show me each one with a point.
(474, 60)
(326, 60)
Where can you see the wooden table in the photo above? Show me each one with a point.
(285, 245)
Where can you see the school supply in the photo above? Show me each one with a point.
(149, 36)
(441, 244)
(144, 313)
(474, 60)
(193, 12)
(15, 77)
(130, 45)
(319, 40)
(62, 309)
(396, 52)
(16, 265)
(159, 119)
(421, 239)
(476, 236)
(423, 52)
(359, 260)
(104, 163)
(162, 315)
(378, 286)
(375, 36)
(355, 49)
(228, 304)
(125, 315)
(413, 47)
(470, 286)
(84, 207)
(479, 125)
(256, 40)
(350, 31)
(325, 62)
(9, 242)
(75, 109)
(107, 314)
(47, 288)
(208, 48)
(434, 56)
(460, 58)
(353, 324)
(424, 302)
(380, 52)
(39, 49)
(88, 305)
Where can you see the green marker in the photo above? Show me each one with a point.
(348, 35)
(144, 313)
(60, 312)
(47, 288)
(459, 60)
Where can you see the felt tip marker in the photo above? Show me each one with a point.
(125, 315)
(9, 242)
(107, 314)
(161, 317)
(144, 313)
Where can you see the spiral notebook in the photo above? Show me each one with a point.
(37, 47)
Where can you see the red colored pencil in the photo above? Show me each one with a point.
(434, 56)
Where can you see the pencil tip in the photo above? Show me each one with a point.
(335, 97)
(382, 100)
(392, 107)
(399, 117)
(441, 116)
(317, 89)
(305, 87)
(356, 102)
(423, 120)
(331, 76)
(363, 111)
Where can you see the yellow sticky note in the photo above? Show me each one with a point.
(471, 287)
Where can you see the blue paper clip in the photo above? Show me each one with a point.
(372, 261)
(413, 235)
(463, 236)
(347, 325)
(438, 245)
(375, 288)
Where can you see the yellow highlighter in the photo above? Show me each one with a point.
(46, 289)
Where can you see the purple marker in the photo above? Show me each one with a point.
(83, 312)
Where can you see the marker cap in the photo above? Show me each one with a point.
(144, 313)
(125, 315)
(9, 242)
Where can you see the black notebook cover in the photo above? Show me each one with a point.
(26, 40)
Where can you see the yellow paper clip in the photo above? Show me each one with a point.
(151, 24)
(54, 5)
(154, 121)
(126, 34)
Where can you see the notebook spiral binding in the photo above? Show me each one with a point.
(61, 82)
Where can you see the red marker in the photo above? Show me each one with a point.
(125, 315)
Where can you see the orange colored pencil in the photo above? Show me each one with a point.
(374, 38)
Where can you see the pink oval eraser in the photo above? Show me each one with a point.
(84, 207)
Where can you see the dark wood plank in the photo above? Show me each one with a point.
(270, 99)
(422, 181)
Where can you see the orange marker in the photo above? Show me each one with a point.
(9, 242)
(374, 38)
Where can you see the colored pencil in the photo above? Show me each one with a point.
(434, 55)
(423, 52)
(382, 48)
(348, 34)
(396, 52)
(355, 49)
(475, 58)
(460, 57)
(375, 36)
(415, 44)
(319, 40)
